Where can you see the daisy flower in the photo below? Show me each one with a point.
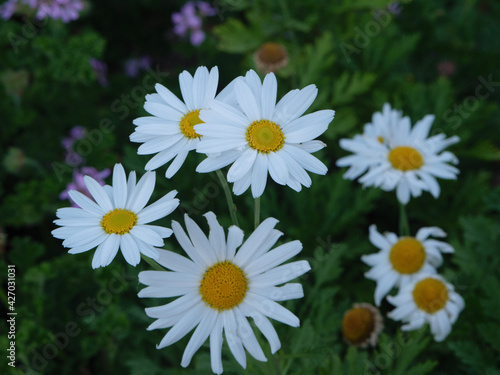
(169, 132)
(259, 136)
(220, 288)
(376, 133)
(362, 325)
(401, 259)
(408, 162)
(428, 299)
(116, 220)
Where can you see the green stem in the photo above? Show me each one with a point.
(404, 227)
(152, 263)
(229, 197)
(256, 212)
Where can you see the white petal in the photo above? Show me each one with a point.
(183, 326)
(268, 97)
(281, 274)
(142, 192)
(98, 193)
(271, 309)
(216, 236)
(119, 186)
(259, 175)
(129, 249)
(216, 347)
(242, 165)
(251, 245)
(247, 101)
(163, 111)
(247, 336)
(170, 98)
(234, 240)
(146, 235)
(176, 262)
(200, 241)
(199, 336)
(273, 258)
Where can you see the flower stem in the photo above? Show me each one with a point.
(229, 197)
(256, 212)
(152, 263)
(404, 227)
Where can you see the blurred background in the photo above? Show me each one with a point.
(73, 76)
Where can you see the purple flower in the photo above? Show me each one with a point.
(206, 9)
(189, 19)
(134, 66)
(79, 185)
(101, 71)
(76, 133)
(65, 10)
(8, 8)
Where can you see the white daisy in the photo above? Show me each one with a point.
(169, 132)
(408, 162)
(116, 220)
(375, 133)
(428, 299)
(401, 259)
(220, 288)
(259, 136)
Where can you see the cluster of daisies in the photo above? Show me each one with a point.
(390, 154)
(224, 279)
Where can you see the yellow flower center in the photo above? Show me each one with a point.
(407, 255)
(189, 120)
(118, 221)
(223, 286)
(358, 324)
(405, 158)
(265, 136)
(430, 295)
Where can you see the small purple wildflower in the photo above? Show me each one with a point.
(78, 184)
(72, 157)
(8, 8)
(189, 19)
(101, 71)
(65, 10)
(134, 66)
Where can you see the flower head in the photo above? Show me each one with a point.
(362, 325)
(271, 57)
(258, 136)
(189, 20)
(400, 157)
(134, 66)
(402, 259)
(220, 287)
(116, 220)
(427, 299)
(65, 10)
(170, 131)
